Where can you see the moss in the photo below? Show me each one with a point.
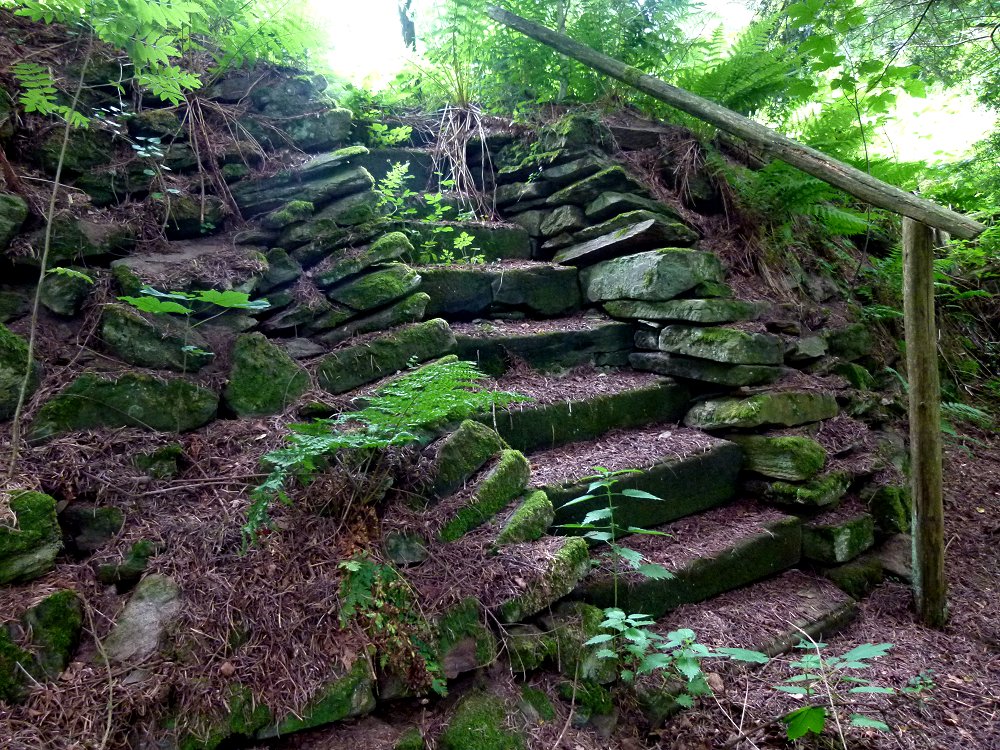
(719, 344)
(712, 289)
(14, 662)
(530, 521)
(786, 408)
(132, 400)
(410, 309)
(857, 578)
(502, 484)
(478, 724)
(595, 698)
(29, 548)
(378, 288)
(838, 541)
(128, 281)
(13, 363)
(788, 458)
(156, 341)
(290, 213)
(528, 647)
(13, 211)
(825, 489)
(163, 463)
(461, 454)
(264, 379)
(65, 295)
(246, 717)
(460, 623)
(539, 703)
(411, 739)
(127, 573)
(854, 374)
(560, 575)
(348, 696)
(892, 509)
(281, 269)
(55, 624)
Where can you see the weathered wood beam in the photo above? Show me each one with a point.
(849, 179)
(930, 588)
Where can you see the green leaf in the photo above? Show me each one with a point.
(806, 720)
(596, 515)
(684, 700)
(156, 306)
(743, 654)
(857, 720)
(231, 300)
(577, 500)
(654, 661)
(640, 494)
(866, 651)
(655, 571)
(873, 689)
(600, 638)
(71, 273)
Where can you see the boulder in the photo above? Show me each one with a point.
(155, 123)
(190, 265)
(13, 367)
(530, 521)
(504, 482)
(28, 550)
(805, 349)
(140, 628)
(376, 289)
(892, 509)
(157, 341)
(14, 303)
(79, 241)
(523, 195)
(793, 459)
(703, 311)
(654, 276)
(570, 626)
(464, 642)
(576, 131)
(492, 242)
(290, 213)
(54, 626)
(781, 408)
(131, 400)
(531, 221)
(126, 574)
(459, 455)
(352, 366)
(264, 379)
(703, 370)
(64, 294)
(726, 345)
(564, 220)
(612, 179)
(13, 213)
(527, 647)
(849, 343)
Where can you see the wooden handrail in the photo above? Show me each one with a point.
(849, 179)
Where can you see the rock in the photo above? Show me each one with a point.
(654, 276)
(892, 509)
(86, 150)
(131, 400)
(457, 291)
(129, 571)
(573, 171)
(726, 345)
(264, 379)
(638, 137)
(88, 528)
(608, 205)
(376, 289)
(854, 374)
(409, 310)
(411, 739)
(65, 294)
(540, 290)
(405, 549)
(493, 243)
(857, 578)
(613, 180)
(570, 626)
(820, 491)
(793, 459)
(703, 370)
(79, 241)
(281, 269)
(671, 226)
(704, 311)
(349, 211)
(155, 123)
(16, 665)
(565, 219)
(781, 408)
(14, 304)
(527, 647)
(349, 367)
(560, 572)
(479, 724)
(351, 695)
(186, 217)
(523, 195)
(189, 264)
(13, 213)
(530, 521)
(850, 343)
(712, 289)
(139, 629)
(504, 482)
(157, 341)
(531, 221)
(291, 213)
(297, 317)
(13, 367)
(464, 641)
(896, 556)
(806, 349)
(837, 541)
(459, 455)
(318, 181)
(388, 247)
(28, 550)
(180, 157)
(54, 625)
(379, 161)
(163, 463)
(625, 241)
(312, 132)
(575, 131)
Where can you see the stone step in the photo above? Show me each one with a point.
(492, 241)
(583, 405)
(544, 345)
(463, 292)
(689, 471)
(707, 554)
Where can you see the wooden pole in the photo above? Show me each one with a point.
(930, 588)
(853, 181)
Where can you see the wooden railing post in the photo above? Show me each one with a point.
(929, 583)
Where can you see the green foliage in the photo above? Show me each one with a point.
(38, 94)
(159, 303)
(71, 273)
(381, 135)
(427, 398)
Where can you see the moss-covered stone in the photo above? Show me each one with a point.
(535, 705)
(571, 625)
(819, 492)
(162, 463)
(352, 366)
(727, 345)
(837, 541)
(576, 131)
(411, 739)
(892, 509)
(565, 219)
(264, 379)
(64, 294)
(187, 217)
(562, 572)
(55, 624)
(478, 724)
(85, 150)
(139, 630)
(80, 241)
(376, 289)
(627, 240)
(704, 311)
(129, 571)
(785, 408)
(244, 718)
(157, 341)
(610, 180)
(155, 123)
(492, 242)
(405, 549)
(282, 269)
(132, 400)
(460, 455)
(28, 549)
(411, 309)
(13, 213)
(849, 343)
(700, 370)
(388, 247)
(527, 647)
(14, 663)
(530, 521)
(854, 374)
(464, 642)
(88, 527)
(540, 290)
(793, 459)
(857, 578)
(457, 291)
(290, 213)
(503, 483)
(609, 206)
(343, 698)
(653, 276)
(591, 696)
(13, 364)
(14, 304)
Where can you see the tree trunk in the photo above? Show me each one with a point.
(929, 583)
(853, 181)
(406, 24)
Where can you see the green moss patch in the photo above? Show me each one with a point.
(793, 459)
(478, 724)
(378, 288)
(530, 521)
(535, 704)
(785, 408)
(837, 540)
(346, 697)
(264, 379)
(892, 509)
(503, 483)
(559, 575)
(28, 550)
(13, 363)
(857, 578)
(819, 492)
(570, 626)
(460, 455)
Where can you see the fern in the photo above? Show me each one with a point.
(38, 94)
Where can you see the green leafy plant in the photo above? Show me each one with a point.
(71, 273)
(381, 135)
(38, 94)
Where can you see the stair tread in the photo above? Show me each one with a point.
(493, 266)
(580, 384)
(499, 329)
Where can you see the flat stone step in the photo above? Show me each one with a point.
(708, 554)
(545, 345)
(492, 241)
(462, 292)
(689, 471)
(583, 405)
